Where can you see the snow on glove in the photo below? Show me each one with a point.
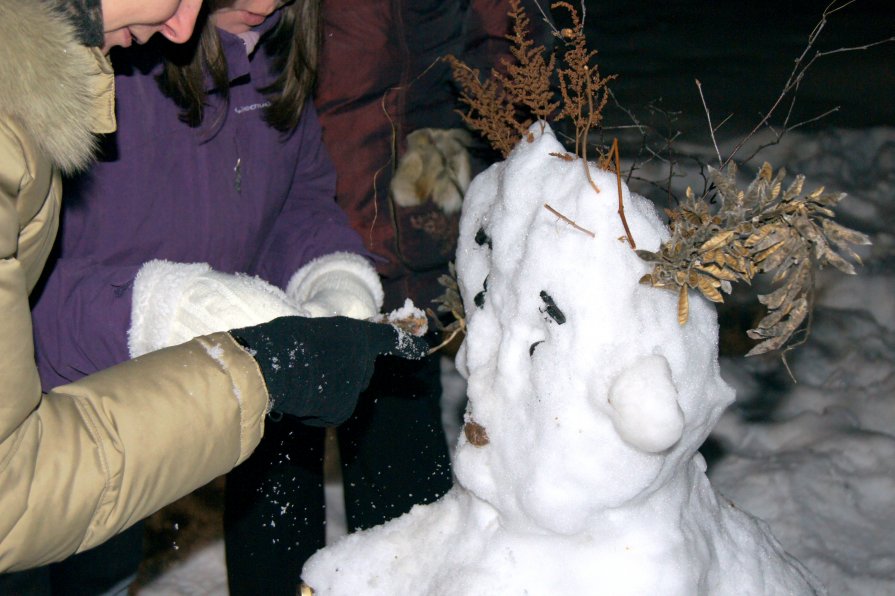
(175, 302)
(339, 283)
(315, 369)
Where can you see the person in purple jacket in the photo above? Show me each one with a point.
(209, 210)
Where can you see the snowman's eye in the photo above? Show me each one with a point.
(479, 298)
(551, 309)
(482, 238)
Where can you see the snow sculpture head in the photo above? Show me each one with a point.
(588, 389)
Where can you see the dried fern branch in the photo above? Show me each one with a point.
(527, 78)
(504, 106)
(584, 93)
(490, 110)
(760, 230)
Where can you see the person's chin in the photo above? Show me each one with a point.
(121, 38)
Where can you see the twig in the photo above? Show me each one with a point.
(708, 117)
(449, 339)
(800, 67)
(569, 221)
(779, 136)
(866, 46)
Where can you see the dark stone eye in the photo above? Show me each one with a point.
(479, 298)
(551, 309)
(531, 348)
(481, 238)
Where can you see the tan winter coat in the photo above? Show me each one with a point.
(85, 461)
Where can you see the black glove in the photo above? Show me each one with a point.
(316, 368)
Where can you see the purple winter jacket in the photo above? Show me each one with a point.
(238, 195)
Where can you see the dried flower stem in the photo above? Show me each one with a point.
(709, 118)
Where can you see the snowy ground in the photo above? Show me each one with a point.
(817, 458)
(814, 458)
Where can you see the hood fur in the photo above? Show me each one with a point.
(87, 18)
(45, 81)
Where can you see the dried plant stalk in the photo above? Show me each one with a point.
(490, 110)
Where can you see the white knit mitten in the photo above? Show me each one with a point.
(339, 283)
(175, 302)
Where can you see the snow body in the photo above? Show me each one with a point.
(589, 401)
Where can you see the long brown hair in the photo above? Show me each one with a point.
(292, 45)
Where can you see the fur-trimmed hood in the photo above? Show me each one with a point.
(50, 84)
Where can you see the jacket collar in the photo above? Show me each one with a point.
(58, 90)
(238, 61)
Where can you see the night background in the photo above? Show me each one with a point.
(743, 53)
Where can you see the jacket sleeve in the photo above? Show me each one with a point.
(81, 319)
(98, 455)
(311, 224)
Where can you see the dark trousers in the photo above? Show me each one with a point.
(89, 573)
(393, 453)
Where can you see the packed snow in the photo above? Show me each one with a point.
(812, 458)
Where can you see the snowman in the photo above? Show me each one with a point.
(578, 470)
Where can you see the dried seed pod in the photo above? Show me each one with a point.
(717, 241)
(709, 288)
(683, 306)
(762, 229)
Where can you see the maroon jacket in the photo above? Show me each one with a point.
(380, 79)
